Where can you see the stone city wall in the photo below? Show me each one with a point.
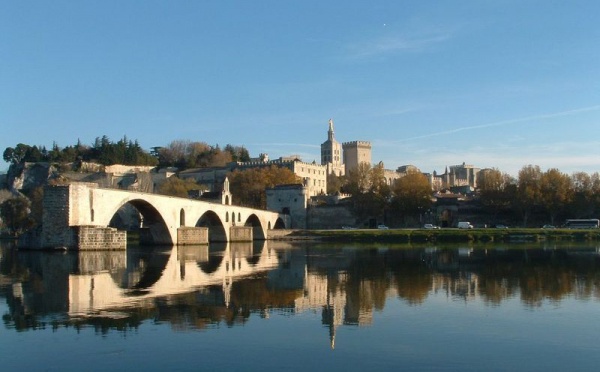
(329, 217)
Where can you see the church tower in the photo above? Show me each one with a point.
(331, 153)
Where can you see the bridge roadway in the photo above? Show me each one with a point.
(85, 205)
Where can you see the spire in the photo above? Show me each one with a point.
(330, 131)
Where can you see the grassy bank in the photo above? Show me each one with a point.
(448, 235)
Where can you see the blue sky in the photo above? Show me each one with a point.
(491, 83)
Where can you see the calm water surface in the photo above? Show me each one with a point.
(277, 306)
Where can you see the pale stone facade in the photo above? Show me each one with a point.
(331, 153)
(289, 200)
(69, 208)
(313, 175)
(455, 175)
(356, 152)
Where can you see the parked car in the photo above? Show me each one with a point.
(465, 225)
(548, 227)
(430, 226)
(501, 227)
(382, 227)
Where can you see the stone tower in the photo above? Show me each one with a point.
(331, 153)
(356, 152)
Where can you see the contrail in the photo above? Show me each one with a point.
(504, 122)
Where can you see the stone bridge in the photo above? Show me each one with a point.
(79, 215)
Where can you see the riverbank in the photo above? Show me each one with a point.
(440, 235)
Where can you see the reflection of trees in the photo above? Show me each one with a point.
(196, 310)
(368, 280)
(353, 282)
(257, 295)
(413, 278)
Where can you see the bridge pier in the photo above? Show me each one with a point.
(240, 234)
(192, 235)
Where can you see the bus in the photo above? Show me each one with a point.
(592, 223)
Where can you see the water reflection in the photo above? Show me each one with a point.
(196, 287)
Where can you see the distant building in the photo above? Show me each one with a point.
(290, 200)
(313, 175)
(331, 153)
(341, 158)
(356, 152)
(455, 175)
(219, 194)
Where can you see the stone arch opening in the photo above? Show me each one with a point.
(181, 217)
(257, 250)
(211, 265)
(140, 217)
(279, 224)
(143, 269)
(257, 230)
(216, 255)
(216, 230)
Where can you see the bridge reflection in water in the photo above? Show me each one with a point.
(112, 279)
(227, 282)
(491, 302)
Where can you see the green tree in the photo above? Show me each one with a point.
(377, 182)
(411, 196)
(16, 155)
(556, 192)
(358, 180)
(238, 153)
(15, 215)
(495, 190)
(175, 186)
(334, 184)
(369, 191)
(586, 195)
(528, 195)
(248, 186)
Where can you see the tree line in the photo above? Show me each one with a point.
(401, 203)
(551, 194)
(102, 151)
(534, 196)
(180, 154)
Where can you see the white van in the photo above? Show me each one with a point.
(465, 225)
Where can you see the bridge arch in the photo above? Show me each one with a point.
(279, 224)
(152, 228)
(216, 229)
(257, 229)
(144, 269)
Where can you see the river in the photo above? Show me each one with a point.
(302, 306)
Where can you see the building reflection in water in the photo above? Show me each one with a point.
(196, 286)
